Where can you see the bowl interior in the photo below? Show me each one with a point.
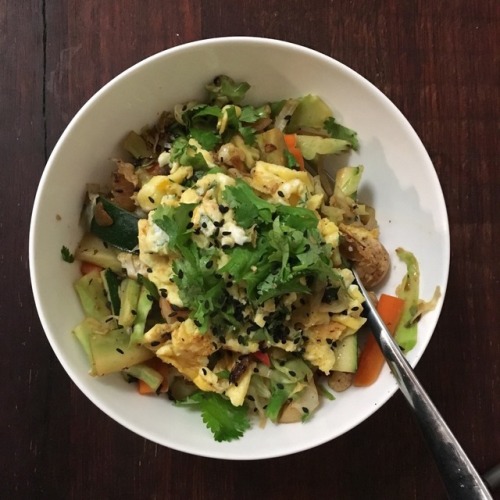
(399, 181)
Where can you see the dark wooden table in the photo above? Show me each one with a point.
(438, 62)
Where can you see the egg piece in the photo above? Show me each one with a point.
(208, 381)
(237, 392)
(318, 349)
(188, 349)
(158, 187)
(329, 231)
(268, 177)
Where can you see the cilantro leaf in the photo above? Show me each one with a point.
(66, 255)
(227, 422)
(276, 401)
(248, 207)
(207, 138)
(224, 90)
(338, 131)
(174, 221)
(248, 134)
(249, 114)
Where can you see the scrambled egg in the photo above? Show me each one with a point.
(188, 349)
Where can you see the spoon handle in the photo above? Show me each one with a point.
(461, 479)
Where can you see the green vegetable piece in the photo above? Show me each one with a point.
(92, 249)
(66, 255)
(83, 332)
(312, 145)
(408, 290)
(136, 146)
(227, 422)
(90, 290)
(123, 232)
(339, 131)
(111, 284)
(130, 290)
(113, 352)
(347, 181)
(277, 400)
(144, 305)
(346, 354)
(145, 373)
(311, 112)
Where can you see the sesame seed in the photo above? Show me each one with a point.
(279, 385)
(209, 264)
(155, 343)
(180, 273)
(151, 199)
(119, 350)
(134, 312)
(223, 209)
(150, 297)
(292, 373)
(281, 194)
(189, 225)
(149, 270)
(305, 410)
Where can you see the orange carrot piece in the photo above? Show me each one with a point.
(88, 267)
(372, 360)
(291, 144)
(163, 369)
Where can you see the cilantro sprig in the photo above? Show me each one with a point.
(66, 255)
(227, 422)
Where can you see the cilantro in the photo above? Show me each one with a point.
(249, 114)
(224, 90)
(207, 138)
(186, 154)
(338, 131)
(67, 256)
(174, 221)
(248, 134)
(227, 422)
(248, 207)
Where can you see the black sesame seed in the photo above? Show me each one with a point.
(204, 371)
(155, 343)
(151, 199)
(197, 323)
(134, 312)
(190, 213)
(209, 264)
(163, 293)
(180, 273)
(279, 385)
(229, 284)
(119, 350)
(305, 410)
(223, 209)
(204, 225)
(226, 233)
(281, 194)
(149, 270)
(292, 373)
(189, 225)
(150, 297)
(256, 370)
(250, 397)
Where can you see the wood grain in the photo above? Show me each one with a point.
(437, 61)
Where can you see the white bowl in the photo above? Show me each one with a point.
(399, 181)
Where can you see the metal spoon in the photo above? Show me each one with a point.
(460, 478)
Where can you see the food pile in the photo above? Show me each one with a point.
(216, 268)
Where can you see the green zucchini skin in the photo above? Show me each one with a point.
(123, 232)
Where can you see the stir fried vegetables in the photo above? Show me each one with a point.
(217, 269)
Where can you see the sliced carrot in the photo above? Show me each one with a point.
(163, 369)
(88, 267)
(291, 144)
(372, 360)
